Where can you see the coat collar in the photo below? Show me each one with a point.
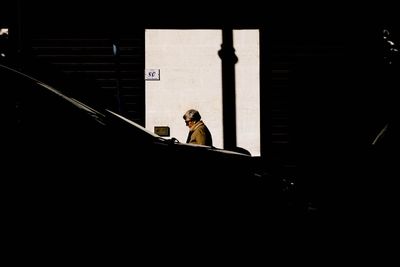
(196, 125)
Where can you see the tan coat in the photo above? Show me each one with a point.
(199, 134)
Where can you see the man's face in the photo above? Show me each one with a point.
(189, 123)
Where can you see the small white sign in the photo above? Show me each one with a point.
(152, 74)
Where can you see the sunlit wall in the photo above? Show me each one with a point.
(246, 43)
(190, 77)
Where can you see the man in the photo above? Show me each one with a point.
(198, 133)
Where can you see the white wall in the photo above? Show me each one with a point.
(246, 43)
(190, 77)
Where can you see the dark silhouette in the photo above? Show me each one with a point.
(229, 59)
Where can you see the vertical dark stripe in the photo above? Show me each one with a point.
(229, 59)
